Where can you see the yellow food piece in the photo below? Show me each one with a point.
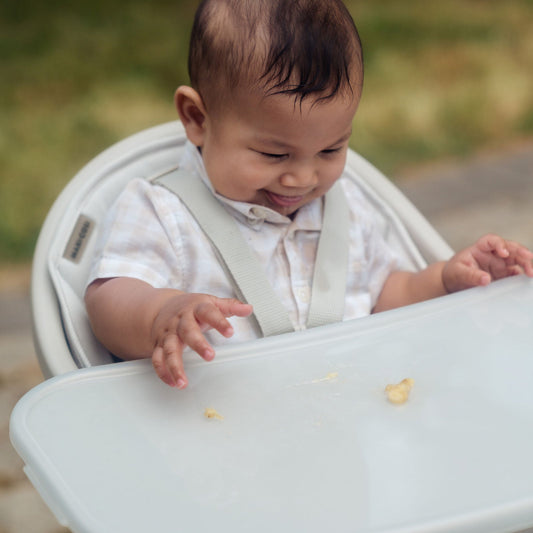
(329, 377)
(399, 393)
(212, 413)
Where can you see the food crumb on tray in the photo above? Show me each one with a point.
(212, 413)
(328, 377)
(399, 393)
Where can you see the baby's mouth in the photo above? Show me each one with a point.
(284, 201)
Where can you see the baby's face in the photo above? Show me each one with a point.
(273, 152)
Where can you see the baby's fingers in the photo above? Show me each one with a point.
(517, 261)
(189, 331)
(167, 361)
(233, 307)
(213, 314)
(476, 277)
(460, 276)
(524, 258)
(494, 244)
(210, 316)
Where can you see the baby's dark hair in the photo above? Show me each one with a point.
(295, 47)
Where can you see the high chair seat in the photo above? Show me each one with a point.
(63, 337)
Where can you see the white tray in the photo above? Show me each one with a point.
(112, 449)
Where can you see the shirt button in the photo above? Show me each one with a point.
(303, 294)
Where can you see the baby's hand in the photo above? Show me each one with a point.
(490, 258)
(181, 322)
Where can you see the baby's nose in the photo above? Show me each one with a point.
(300, 176)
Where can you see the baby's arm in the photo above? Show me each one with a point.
(134, 320)
(490, 258)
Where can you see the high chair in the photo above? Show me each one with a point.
(291, 432)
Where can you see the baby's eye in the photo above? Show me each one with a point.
(273, 156)
(331, 151)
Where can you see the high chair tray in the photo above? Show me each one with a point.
(306, 439)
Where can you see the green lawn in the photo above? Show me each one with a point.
(442, 79)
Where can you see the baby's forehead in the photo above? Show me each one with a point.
(259, 111)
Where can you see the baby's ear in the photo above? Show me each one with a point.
(192, 113)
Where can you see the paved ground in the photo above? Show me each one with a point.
(488, 193)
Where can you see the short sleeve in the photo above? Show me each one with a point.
(135, 241)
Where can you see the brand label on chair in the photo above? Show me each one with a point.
(78, 239)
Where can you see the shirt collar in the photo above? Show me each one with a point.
(308, 217)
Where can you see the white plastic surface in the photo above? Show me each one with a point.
(299, 449)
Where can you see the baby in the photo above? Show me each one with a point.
(275, 85)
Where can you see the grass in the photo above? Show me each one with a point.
(442, 80)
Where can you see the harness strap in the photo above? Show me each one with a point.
(331, 265)
(244, 269)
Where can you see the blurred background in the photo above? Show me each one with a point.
(443, 80)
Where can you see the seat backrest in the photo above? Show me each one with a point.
(63, 256)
